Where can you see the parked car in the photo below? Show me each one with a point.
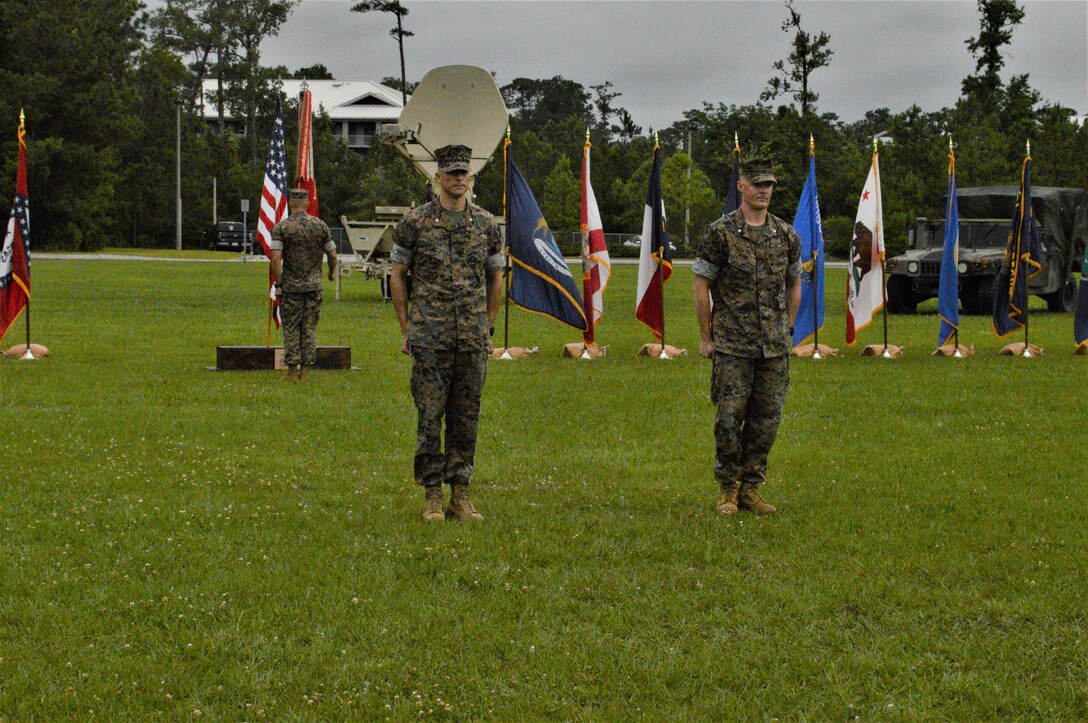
(228, 236)
(985, 223)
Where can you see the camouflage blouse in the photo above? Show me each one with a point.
(303, 239)
(449, 257)
(748, 268)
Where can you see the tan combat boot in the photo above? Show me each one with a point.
(291, 375)
(727, 500)
(303, 374)
(750, 500)
(461, 508)
(432, 507)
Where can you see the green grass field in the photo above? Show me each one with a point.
(181, 543)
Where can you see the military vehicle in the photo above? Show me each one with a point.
(452, 104)
(985, 223)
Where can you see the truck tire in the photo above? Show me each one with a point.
(1064, 299)
(901, 300)
(978, 299)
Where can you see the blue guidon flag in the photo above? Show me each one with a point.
(539, 279)
(948, 290)
(810, 314)
(1080, 322)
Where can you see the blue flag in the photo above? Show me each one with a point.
(948, 306)
(810, 315)
(732, 196)
(1021, 263)
(1080, 322)
(540, 280)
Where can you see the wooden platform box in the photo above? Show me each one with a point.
(255, 358)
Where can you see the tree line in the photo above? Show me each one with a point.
(103, 81)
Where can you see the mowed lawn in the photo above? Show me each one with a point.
(181, 543)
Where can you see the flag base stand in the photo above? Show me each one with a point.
(28, 353)
(956, 352)
(583, 351)
(658, 351)
(884, 351)
(263, 358)
(812, 352)
(1019, 348)
(514, 352)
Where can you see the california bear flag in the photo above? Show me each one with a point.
(865, 280)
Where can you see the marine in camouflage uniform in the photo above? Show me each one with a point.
(453, 250)
(747, 290)
(298, 244)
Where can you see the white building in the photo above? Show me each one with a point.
(356, 107)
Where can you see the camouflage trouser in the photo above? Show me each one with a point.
(749, 394)
(300, 312)
(447, 384)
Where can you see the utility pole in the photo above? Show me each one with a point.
(687, 196)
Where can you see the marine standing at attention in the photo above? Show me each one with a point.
(747, 290)
(298, 243)
(453, 250)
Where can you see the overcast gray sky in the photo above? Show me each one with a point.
(668, 57)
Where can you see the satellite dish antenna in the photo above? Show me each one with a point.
(454, 104)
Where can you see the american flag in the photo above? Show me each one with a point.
(15, 253)
(273, 199)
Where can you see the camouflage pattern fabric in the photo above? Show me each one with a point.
(748, 270)
(448, 258)
(303, 239)
(749, 393)
(447, 384)
(300, 312)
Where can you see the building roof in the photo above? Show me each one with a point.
(361, 100)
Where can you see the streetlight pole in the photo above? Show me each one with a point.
(177, 219)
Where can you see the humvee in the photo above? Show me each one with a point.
(985, 223)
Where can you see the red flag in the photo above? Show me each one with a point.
(305, 173)
(595, 263)
(15, 255)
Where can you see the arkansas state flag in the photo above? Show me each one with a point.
(655, 257)
(948, 291)
(305, 170)
(865, 277)
(596, 268)
(540, 280)
(807, 223)
(15, 255)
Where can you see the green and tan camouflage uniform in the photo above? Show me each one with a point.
(449, 256)
(750, 270)
(303, 241)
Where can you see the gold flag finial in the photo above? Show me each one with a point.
(736, 142)
(951, 146)
(657, 143)
(811, 144)
(22, 117)
(507, 132)
(1028, 146)
(874, 144)
(587, 133)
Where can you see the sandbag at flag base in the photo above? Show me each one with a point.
(540, 280)
(655, 256)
